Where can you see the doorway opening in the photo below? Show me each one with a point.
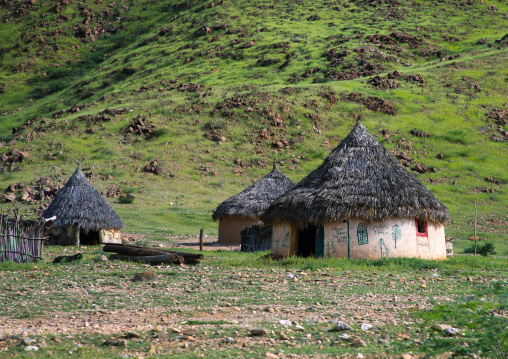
(89, 238)
(307, 242)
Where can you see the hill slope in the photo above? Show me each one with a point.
(183, 104)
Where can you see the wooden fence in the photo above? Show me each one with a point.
(21, 240)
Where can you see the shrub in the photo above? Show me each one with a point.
(484, 250)
(127, 199)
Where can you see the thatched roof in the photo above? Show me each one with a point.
(252, 201)
(359, 179)
(78, 202)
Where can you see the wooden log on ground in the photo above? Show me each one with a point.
(146, 251)
(64, 259)
(161, 259)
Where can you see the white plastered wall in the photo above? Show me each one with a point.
(390, 238)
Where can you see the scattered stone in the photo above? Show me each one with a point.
(271, 355)
(299, 328)
(145, 277)
(258, 331)
(421, 168)
(384, 84)
(358, 342)
(154, 167)
(365, 326)
(372, 103)
(9, 197)
(340, 327)
(391, 321)
(13, 156)
(406, 356)
(345, 337)
(385, 339)
(493, 180)
(441, 327)
(286, 323)
(101, 258)
(31, 348)
(27, 341)
(451, 331)
(163, 335)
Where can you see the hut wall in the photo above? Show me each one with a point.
(360, 239)
(390, 238)
(110, 236)
(284, 240)
(230, 228)
(63, 236)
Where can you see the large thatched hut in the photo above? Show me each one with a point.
(83, 216)
(245, 207)
(360, 203)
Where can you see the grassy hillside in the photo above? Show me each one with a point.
(222, 88)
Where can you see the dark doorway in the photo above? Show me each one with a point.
(307, 242)
(90, 238)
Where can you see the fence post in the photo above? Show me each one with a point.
(201, 240)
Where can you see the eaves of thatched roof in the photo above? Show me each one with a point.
(359, 179)
(252, 201)
(78, 202)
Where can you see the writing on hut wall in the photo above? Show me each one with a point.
(340, 233)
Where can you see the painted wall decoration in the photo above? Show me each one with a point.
(362, 235)
(286, 240)
(283, 240)
(396, 234)
(383, 248)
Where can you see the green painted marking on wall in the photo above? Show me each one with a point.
(383, 248)
(362, 235)
(396, 235)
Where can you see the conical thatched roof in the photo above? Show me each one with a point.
(252, 201)
(78, 202)
(359, 179)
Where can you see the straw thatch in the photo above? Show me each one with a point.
(252, 201)
(78, 202)
(359, 179)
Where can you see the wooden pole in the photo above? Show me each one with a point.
(475, 213)
(201, 240)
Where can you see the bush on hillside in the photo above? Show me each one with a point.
(484, 250)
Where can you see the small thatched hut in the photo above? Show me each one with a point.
(360, 203)
(83, 216)
(245, 207)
